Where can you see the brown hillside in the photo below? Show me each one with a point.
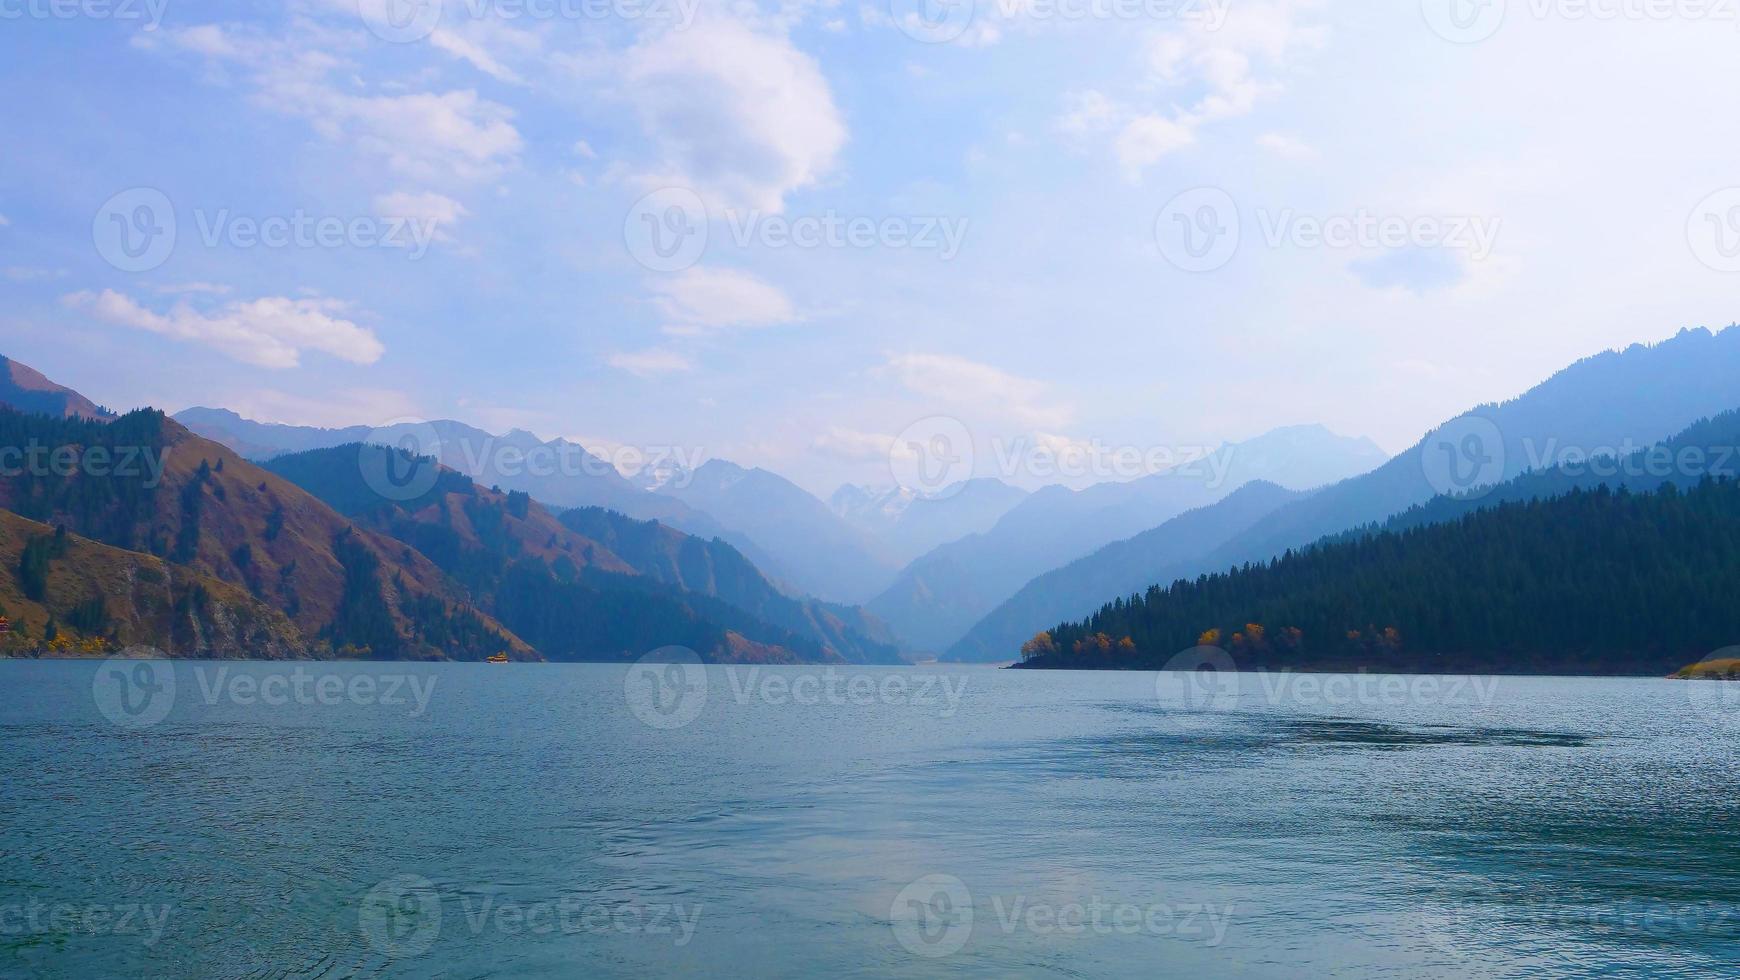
(145, 600)
(225, 518)
(263, 532)
(24, 388)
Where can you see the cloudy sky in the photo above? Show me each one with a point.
(784, 233)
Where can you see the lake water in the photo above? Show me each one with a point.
(328, 820)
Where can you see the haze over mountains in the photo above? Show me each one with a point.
(564, 584)
(558, 473)
(203, 553)
(909, 524)
(1120, 568)
(943, 593)
(784, 530)
(1626, 565)
(1612, 402)
(269, 539)
(810, 544)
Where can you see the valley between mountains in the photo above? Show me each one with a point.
(206, 534)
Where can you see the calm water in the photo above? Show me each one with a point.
(561, 821)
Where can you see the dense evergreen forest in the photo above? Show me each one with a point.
(1596, 581)
(116, 507)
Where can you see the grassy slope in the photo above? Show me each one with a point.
(264, 534)
(147, 600)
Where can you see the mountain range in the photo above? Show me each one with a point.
(789, 534)
(592, 581)
(941, 595)
(1627, 567)
(270, 540)
(1632, 397)
(194, 549)
(909, 524)
(196, 505)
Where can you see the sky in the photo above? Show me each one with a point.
(796, 234)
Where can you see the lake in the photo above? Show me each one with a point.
(460, 820)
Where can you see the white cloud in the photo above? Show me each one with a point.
(701, 300)
(584, 149)
(428, 135)
(435, 212)
(651, 363)
(1287, 147)
(851, 444)
(1146, 139)
(423, 134)
(4, 221)
(979, 388)
(1089, 112)
(1207, 71)
(487, 44)
(743, 117)
(1216, 62)
(270, 332)
(210, 40)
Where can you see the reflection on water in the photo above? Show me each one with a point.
(529, 823)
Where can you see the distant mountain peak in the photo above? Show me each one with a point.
(662, 473)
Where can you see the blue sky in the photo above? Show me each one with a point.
(1423, 223)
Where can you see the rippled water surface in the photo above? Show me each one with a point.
(539, 821)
